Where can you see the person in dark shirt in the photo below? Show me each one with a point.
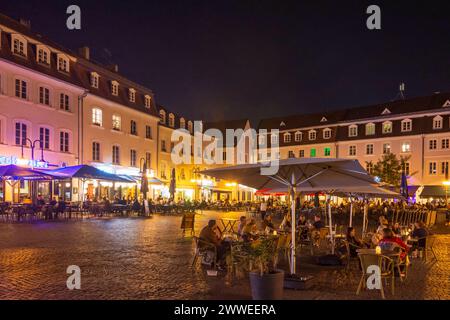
(209, 234)
(354, 242)
(268, 224)
(420, 233)
(318, 224)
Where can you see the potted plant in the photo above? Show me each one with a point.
(266, 280)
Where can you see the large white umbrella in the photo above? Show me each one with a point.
(297, 175)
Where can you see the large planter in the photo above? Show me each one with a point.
(267, 287)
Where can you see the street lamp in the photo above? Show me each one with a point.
(33, 146)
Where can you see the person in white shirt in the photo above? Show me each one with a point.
(263, 209)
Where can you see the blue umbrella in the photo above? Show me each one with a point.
(13, 172)
(404, 186)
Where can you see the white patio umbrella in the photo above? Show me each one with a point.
(298, 175)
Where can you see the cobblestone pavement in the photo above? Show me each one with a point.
(134, 258)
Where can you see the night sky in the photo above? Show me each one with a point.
(237, 59)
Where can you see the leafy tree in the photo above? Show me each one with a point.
(389, 169)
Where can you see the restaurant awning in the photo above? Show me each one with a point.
(433, 192)
(13, 172)
(86, 172)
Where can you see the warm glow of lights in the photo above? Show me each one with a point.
(22, 162)
(231, 184)
(446, 183)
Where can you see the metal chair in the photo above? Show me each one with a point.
(386, 267)
(201, 250)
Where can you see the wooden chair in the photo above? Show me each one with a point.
(201, 250)
(386, 266)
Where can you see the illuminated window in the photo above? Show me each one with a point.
(148, 101)
(43, 55)
(370, 129)
(114, 88)
(97, 117)
(162, 116)
(437, 122)
(312, 152)
(116, 122)
(387, 127)
(132, 95)
(19, 46)
(406, 147)
(386, 148)
(63, 63)
(94, 79)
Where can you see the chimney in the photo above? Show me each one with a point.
(25, 22)
(84, 52)
(114, 68)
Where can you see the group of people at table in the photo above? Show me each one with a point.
(388, 237)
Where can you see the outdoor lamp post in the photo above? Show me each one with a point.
(33, 146)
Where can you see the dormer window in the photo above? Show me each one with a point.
(132, 95)
(262, 140)
(114, 88)
(437, 123)
(147, 101)
(162, 116)
(171, 120)
(370, 129)
(324, 119)
(446, 104)
(353, 131)
(43, 55)
(327, 133)
(312, 135)
(287, 137)
(190, 126)
(274, 138)
(19, 45)
(387, 127)
(386, 111)
(94, 80)
(182, 123)
(63, 63)
(406, 125)
(298, 136)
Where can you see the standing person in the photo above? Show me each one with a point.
(242, 223)
(263, 209)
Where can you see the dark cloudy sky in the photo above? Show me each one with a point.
(247, 58)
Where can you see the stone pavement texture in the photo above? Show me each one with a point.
(135, 258)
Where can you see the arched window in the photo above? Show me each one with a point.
(162, 116)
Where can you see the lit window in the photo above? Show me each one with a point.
(287, 137)
(63, 64)
(148, 101)
(432, 168)
(19, 47)
(116, 122)
(95, 151)
(312, 153)
(353, 131)
(386, 148)
(43, 56)
(406, 147)
(64, 102)
(352, 150)
(114, 88)
(64, 141)
(433, 144)
(437, 122)
(94, 79)
(162, 116)
(298, 136)
(116, 155)
(261, 140)
(21, 89)
(274, 138)
(132, 95)
(369, 149)
(171, 120)
(406, 125)
(312, 135)
(44, 96)
(370, 129)
(327, 133)
(97, 117)
(327, 152)
(387, 127)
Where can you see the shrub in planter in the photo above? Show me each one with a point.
(265, 279)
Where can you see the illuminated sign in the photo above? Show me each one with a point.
(4, 160)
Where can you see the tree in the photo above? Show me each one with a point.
(389, 169)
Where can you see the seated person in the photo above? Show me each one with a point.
(286, 225)
(354, 242)
(301, 221)
(318, 223)
(383, 224)
(40, 200)
(242, 223)
(209, 235)
(396, 229)
(267, 224)
(420, 232)
(302, 226)
(390, 243)
(249, 231)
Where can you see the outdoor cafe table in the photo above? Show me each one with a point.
(390, 254)
(228, 224)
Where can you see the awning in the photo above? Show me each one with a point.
(13, 172)
(86, 172)
(433, 192)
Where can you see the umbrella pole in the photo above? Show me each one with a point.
(351, 212)
(330, 225)
(293, 227)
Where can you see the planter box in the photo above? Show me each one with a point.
(296, 282)
(267, 287)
